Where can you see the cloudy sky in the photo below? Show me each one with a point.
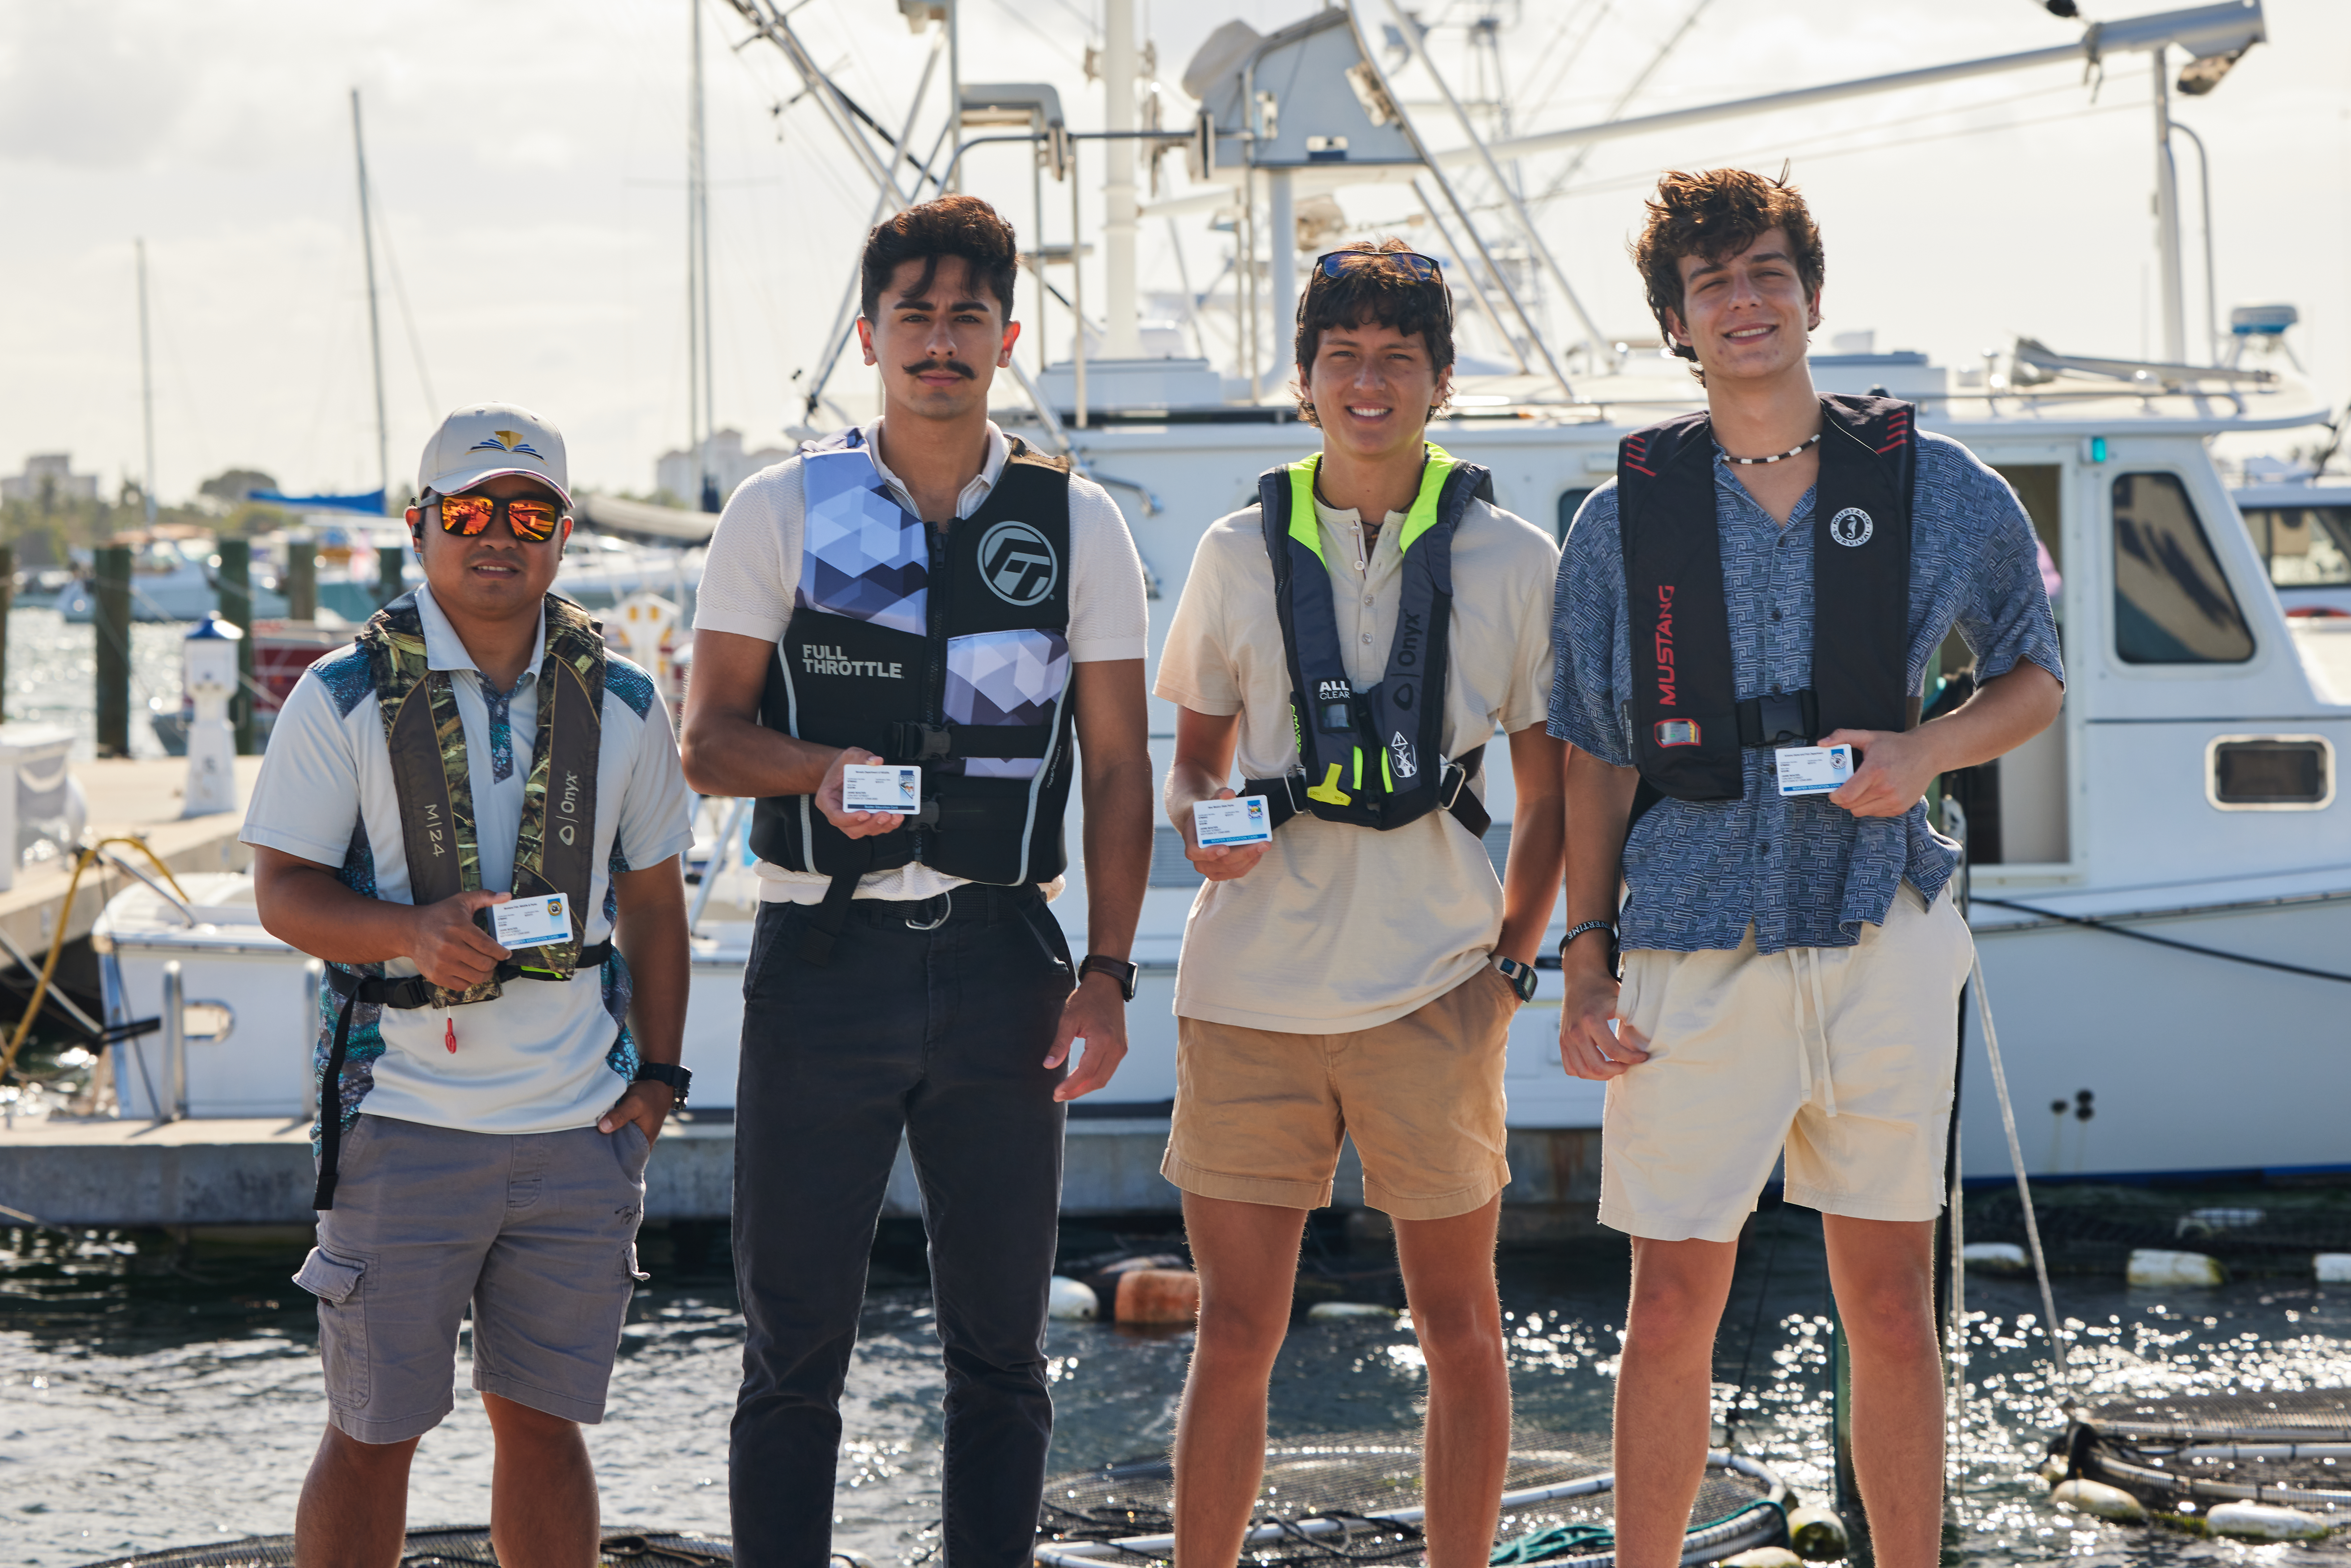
(529, 159)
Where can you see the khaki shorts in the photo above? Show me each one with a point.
(1259, 1114)
(1843, 1056)
(537, 1232)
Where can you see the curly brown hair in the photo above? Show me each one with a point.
(1715, 214)
(952, 225)
(1386, 293)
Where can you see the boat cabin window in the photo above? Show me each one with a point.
(2304, 547)
(2172, 603)
(1570, 501)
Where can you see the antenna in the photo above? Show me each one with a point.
(375, 323)
(700, 389)
(146, 388)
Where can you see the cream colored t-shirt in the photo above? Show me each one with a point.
(1341, 928)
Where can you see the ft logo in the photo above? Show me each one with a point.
(1017, 564)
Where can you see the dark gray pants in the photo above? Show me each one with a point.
(941, 1034)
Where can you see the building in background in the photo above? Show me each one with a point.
(680, 473)
(51, 472)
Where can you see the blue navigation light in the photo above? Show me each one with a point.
(2098, 449)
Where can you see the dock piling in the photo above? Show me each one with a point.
(111, 629)
(235, 587)
(390, 560)
(302, 577)
(7, 603)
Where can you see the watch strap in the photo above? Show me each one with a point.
(1118, 969)
(678, 1079)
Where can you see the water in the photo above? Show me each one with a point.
(151, 1396)
(53, 675)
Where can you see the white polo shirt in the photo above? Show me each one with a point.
(752, 574)
(545, 1057)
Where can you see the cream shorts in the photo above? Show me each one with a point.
(1842, 1056)
(1259, 1115)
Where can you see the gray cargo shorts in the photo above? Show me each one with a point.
(536, 1230)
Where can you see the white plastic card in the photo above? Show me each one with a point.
(872, 786)
(1814, 769)
(1221, 824)
(531, 922)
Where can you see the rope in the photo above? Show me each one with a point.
(90, 856)
(2023, 1186)
(2096, 924)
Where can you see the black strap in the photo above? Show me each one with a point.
(1285, 796)
(832, 916)
(912, 742)
(407, 992)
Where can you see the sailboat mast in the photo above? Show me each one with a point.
(146, 390)
(375, 324)
(701, 391)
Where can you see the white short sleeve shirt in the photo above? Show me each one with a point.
(753, 568)
(544, 1056)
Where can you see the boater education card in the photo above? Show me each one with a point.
(868, 786)
(1221, 824)
(1814, 769)
(531, 922)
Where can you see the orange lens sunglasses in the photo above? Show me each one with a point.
(531, 518)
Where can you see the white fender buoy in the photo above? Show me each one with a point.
(1332, 1312)
(2098, 1498)
(2333, 1267)
(1817, 1533)
(1995, 1256)
(1764, 1557)
(2052, 1470)
(2264, 1521)
(2152, 1266)
(1070, 1299)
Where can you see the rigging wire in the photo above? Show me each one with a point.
(2094, 923)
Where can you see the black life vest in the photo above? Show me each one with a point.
(1689, 722)
(949, 650)
(554, 844)
(1373, 756)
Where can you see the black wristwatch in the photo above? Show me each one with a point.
(1118, 969)
(679, 1078)
(1520, 976)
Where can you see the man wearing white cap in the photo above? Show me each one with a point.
(475, 797)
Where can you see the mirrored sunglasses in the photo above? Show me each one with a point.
(531, 518)
(1336, 262)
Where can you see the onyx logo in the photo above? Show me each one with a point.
(1851, 526)
(1017, 564)
(568, 805)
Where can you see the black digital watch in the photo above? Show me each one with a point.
(679, 1078)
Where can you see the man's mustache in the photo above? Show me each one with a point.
(925, 367)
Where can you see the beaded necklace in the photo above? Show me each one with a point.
(1797, 451)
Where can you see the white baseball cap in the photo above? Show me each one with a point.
(487, 439)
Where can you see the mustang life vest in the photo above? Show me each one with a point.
(1373, 756)
(1689, 723)
(554, 848)
(949, 649)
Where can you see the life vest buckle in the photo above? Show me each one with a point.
(1450, 783)
(1784, 719)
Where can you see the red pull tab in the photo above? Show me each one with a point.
(449, 1038)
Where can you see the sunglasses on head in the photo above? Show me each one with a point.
(1336, 262)
(533, 519)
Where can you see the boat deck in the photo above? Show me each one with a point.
(127, 796)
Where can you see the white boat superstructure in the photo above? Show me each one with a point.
(2162, 881)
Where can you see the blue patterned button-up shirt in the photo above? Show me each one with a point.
(1802, 871)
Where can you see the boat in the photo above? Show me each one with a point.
(172, 578)
(2159, 882)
